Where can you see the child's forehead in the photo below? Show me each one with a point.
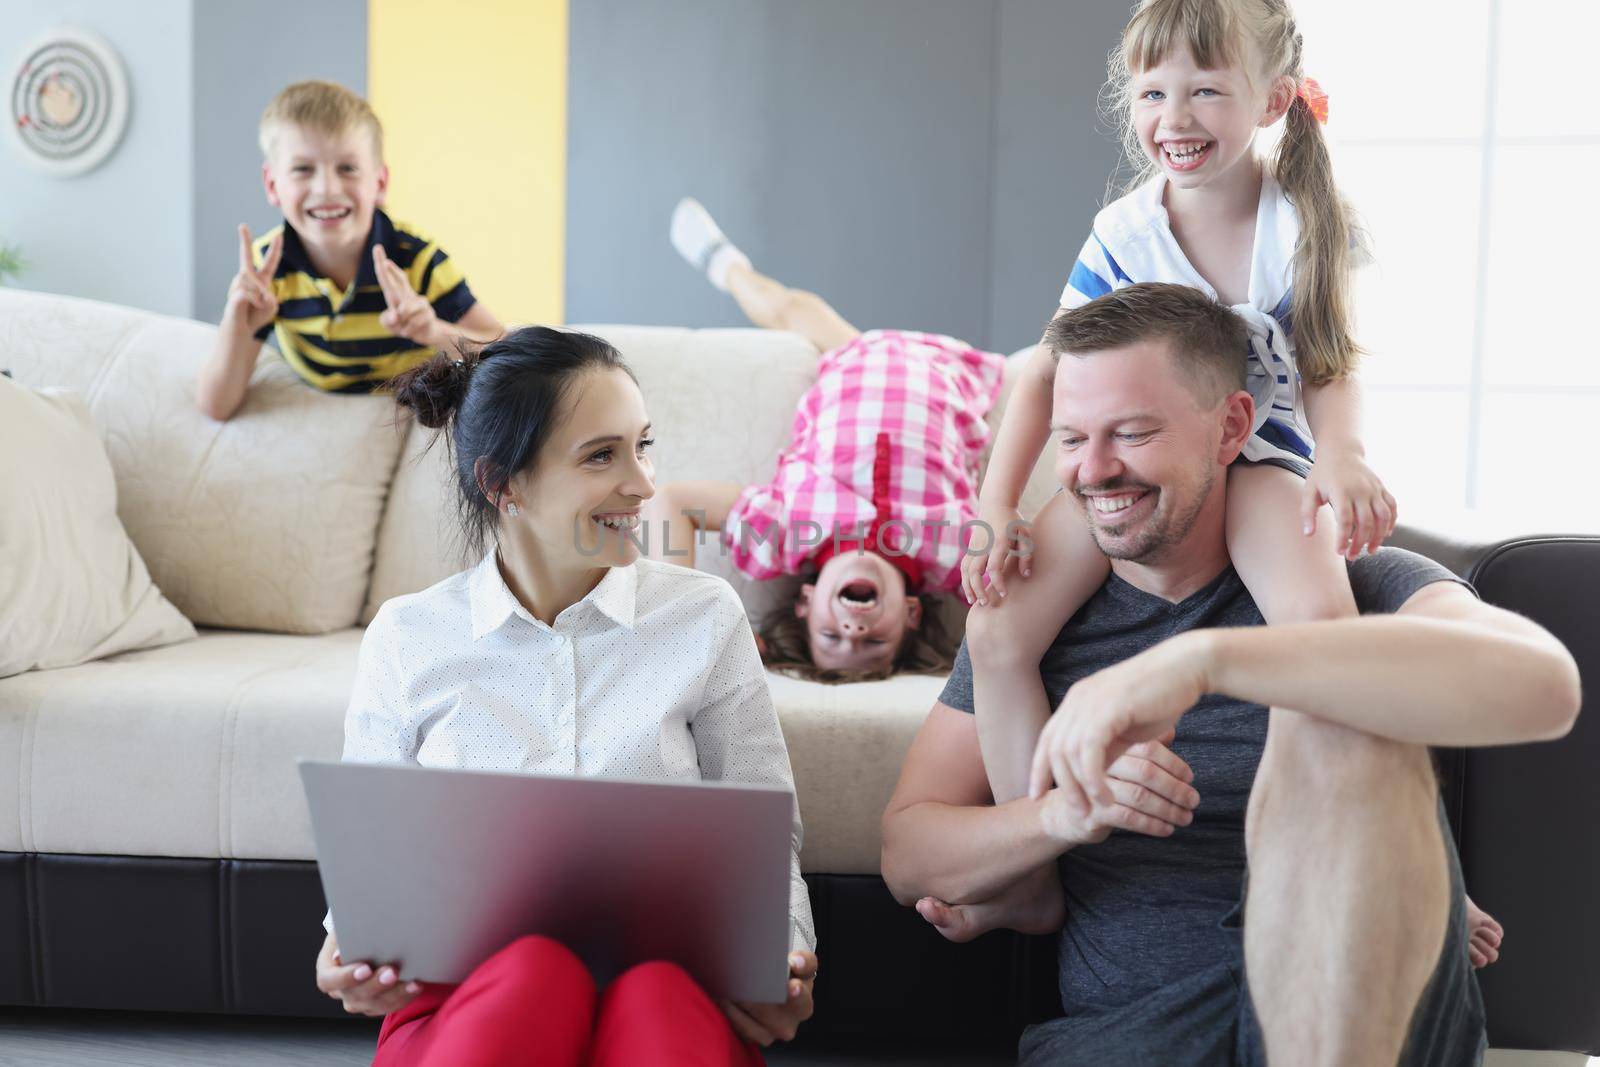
(295, 139)
(1180, 60)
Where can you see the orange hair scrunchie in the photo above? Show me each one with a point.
(1316, 100)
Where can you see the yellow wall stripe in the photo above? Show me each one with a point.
(473, 99)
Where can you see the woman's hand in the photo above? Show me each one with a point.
(1363, 508)
(1010, 543)
(363, 989)
(766, 1023)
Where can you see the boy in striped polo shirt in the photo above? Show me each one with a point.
(354, 297)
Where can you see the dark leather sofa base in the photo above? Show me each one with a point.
(241, 936)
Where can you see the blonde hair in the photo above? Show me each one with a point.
(323, 107)
(1224, 33)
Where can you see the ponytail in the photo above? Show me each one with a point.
(1321, 308)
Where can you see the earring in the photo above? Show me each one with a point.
(512, 510)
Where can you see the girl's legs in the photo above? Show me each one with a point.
(532, 998)
(767, 303)
(1293, 578)
(655, 1015)
(1006, 640)
(774, 306)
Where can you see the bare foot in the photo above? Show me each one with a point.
(1483, 936)
(1032, 906)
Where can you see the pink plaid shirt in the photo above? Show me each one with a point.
(883, 456)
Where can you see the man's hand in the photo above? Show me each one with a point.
(362, 988)
(250, 299)
(1152, 792)
(766, 1023)
(1107, 713)
(409, 314)
(1155, 795)
(1363, 508)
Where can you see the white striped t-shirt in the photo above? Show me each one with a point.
(1132, 242)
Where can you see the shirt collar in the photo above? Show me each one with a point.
(493, 602)
(382, 233)
(296, 258)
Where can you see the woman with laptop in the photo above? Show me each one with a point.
(562, 652)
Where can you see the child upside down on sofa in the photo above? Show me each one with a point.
(873, 500)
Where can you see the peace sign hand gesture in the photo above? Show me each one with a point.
(409, 314)
(250, 297)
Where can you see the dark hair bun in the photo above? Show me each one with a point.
(434, 389)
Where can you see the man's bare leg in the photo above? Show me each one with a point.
(1349, 892)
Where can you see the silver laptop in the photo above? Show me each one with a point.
(440, 869)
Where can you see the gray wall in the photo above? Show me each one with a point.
(122, 232)
(931, 164)
(229, 96)
(1053, 155)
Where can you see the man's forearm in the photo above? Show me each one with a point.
(963, 855)
(1415, 679)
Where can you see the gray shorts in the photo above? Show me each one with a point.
(1208, 1019)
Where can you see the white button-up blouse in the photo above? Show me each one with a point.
(653, 675)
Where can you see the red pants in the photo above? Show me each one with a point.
(533, 1002)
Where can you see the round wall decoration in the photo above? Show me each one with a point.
(69, 101)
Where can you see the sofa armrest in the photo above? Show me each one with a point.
(1525, 816)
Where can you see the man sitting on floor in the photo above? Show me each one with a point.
(1163, 778)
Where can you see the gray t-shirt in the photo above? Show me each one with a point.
(1142, 911)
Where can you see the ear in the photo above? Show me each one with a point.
(270, 184)
(802, 603)
(383, 183)
(482, 473)
(913, 611)
(1238, 418)
(1279, 99)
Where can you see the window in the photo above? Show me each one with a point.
(1468, 140)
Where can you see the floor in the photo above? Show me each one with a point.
(34, 1038)
(114, 1039)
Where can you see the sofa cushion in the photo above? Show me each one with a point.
(73, 585)
(190, 750)
(187, 750)
(264, 522)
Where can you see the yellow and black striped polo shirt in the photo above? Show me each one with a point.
(333, 338)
